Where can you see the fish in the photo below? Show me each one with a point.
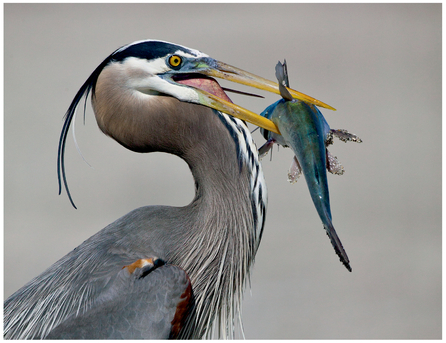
(305, 130)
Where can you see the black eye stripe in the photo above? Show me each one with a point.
(148, 50)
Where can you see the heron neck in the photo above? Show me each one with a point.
(220, 243)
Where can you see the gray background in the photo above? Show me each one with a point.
(378, 64)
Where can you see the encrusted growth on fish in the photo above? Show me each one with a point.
(343, 135)
(295, 171)
(333, 165)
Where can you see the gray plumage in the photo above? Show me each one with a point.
(130, 305)
(213, 239)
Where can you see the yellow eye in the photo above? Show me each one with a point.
(175, 60)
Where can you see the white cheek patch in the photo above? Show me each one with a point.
(154, 84)
(153, 67)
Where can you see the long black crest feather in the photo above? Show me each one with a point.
(84, 91)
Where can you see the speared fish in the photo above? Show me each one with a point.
(305, 130)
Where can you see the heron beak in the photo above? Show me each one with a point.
(230, 73)
(227, 72)
(212, 95)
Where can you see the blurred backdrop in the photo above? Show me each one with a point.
(379, 65)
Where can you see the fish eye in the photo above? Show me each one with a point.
(175, 61)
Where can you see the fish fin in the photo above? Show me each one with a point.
(337, 245)
(265, 148)
(295, 171)
(346, 136)
(333, 165)
(329, 138)
(282, 77)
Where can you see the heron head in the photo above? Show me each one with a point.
(157, 67)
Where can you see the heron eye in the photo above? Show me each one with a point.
(175, 60)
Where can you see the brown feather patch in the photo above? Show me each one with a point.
(139, 264)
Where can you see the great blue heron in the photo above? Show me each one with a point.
(160, 271)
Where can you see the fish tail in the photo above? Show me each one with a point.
(337, 245)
